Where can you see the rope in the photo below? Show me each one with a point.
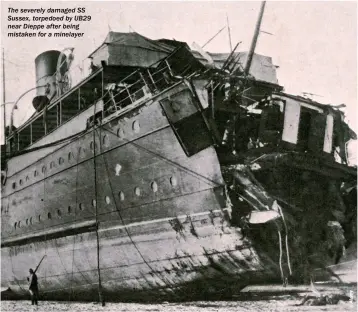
(101, 299)
(121, 218)
(280, 260)
(44, 206)
(286, 240)
(74, 236)
(167, 159)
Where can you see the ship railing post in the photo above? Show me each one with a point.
(143, 79)
(79, 99)
(31, 133)
(102, 94)
(152, 80)
(129, 94)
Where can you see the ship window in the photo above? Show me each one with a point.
(61, 160)
(108, 200)
(120, 133)
(91, 145)
(173, 181)
(36, 173)
(154, 187)
(31, 220)
(13, 185)
(39, 218)
(20, 182)
(43, 169)
(81, 150)
(137, 191)
(94, 203)
(80, 206)
(105, 139)
(59, 212)
(15, 225)
(49, 215)
(121, 195)
(70, 156)
(136, 126)
(52, 164)
(69, 209)
(27, 178)
(19, 224)
(27, 221)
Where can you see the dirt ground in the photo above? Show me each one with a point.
(254, 298)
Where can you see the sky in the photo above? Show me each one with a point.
(313, 43)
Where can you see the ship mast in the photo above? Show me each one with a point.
(254, 39)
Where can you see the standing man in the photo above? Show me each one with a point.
(33, 287)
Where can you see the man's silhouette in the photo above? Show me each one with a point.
(33, 287)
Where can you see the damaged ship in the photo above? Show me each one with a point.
(172, 174)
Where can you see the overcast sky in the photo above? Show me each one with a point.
(313, 43)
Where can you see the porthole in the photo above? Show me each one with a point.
(61, 161)
(136, 126)
(94, 203)
(70, 156)
(31, 220)
(36, 173)
(15, 225)
(137, 191)
(69, 209)
(43, 169)
(154, 186)
(27, 221)
(120, 133)
(108, 200)
(39, 217)
(19, 224)
(52, 164)
(13, 185)
(20, 182)
(121, 195)
(105, 139)
(173, 181)
(81, 150)
(59, 212)
(80, 206)
(49, 216)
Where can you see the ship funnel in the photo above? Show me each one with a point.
(46, 67)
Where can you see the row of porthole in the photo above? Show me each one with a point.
(137, 191)
(49, 216)
(120, 133)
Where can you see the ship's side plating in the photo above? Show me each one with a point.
(162, 216)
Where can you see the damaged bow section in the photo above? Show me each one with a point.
(283, 158)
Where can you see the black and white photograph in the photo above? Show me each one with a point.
(178, 156)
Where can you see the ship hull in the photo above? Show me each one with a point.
(169, 259)
(162, 221)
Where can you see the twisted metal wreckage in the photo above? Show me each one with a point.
(173, 173)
